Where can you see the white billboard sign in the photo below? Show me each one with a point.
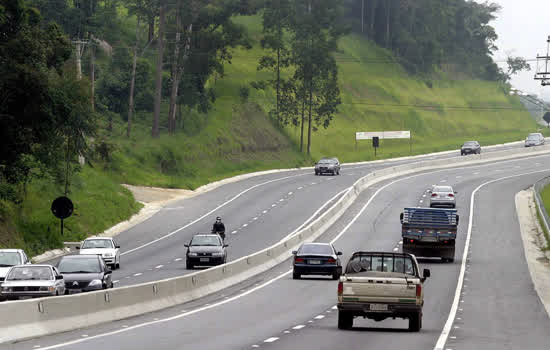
(383, 135)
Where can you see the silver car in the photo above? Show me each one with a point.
(534, 139)
(442, 196)
(32, 281)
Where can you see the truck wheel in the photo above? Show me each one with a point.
(415, 322)
(345, 320)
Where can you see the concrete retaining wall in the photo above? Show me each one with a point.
(38, 317)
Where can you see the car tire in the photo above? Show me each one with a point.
(335, 276)
(338, 173)
(415, 322)
(296, 276)
(345, 320)
(189, 266)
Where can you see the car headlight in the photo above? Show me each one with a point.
(47, 289)
(217, 254)
(192, 254)
(108, 255)
(6, 289)
(95, 283)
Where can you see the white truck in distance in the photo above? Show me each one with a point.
(377, 285)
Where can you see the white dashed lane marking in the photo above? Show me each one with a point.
(300, 188)
(138, 274)
(290, 193)
(282, 199)
(300, 326)
(319, 317)
(158, 267)
(116, 281)
(178, 259)
(245, 225)
(271, 340)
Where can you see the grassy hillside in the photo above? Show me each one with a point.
(237, 137)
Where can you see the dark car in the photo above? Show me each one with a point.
(470, 147)
(205, 250)
(317, 259)
(327, 166)
(84, 273)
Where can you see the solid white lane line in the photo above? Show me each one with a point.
(208, 214)
(454, 307)
(271, 340)
(300, 326)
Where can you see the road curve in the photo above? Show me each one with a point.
(498, 309)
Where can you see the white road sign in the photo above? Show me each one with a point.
(383, 135)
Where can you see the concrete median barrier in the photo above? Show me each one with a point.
(38, 317)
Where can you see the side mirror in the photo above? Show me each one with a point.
(59, 277)
(186, 245)
(294, 252)
(117, 246)
(108, 271)
(427, 273)
(401, 217)
(226, 245)
(457, 218)
(338, 253)
(456, 192)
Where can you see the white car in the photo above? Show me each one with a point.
(106, 247)
(9, 258)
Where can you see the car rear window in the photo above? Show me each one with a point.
(442, 189)
(97, 244)
(9, 259)
(380, 263)
(315, 249)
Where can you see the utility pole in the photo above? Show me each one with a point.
(543, 74)
(79, 49)
(362, 16)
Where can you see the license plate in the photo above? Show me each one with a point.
(205, 259)
(429, 239)
(315, 262)
(75, 291)
(378, 307)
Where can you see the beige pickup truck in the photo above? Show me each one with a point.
(377, 285)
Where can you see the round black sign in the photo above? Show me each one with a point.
(62, 207)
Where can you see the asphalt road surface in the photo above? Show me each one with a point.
(497, 307)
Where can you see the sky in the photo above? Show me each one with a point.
(523, 27)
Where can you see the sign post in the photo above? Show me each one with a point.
(379, 135)
(62, 208)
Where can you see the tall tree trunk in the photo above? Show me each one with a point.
(132, 83)
(309, 115)
(372, 18)
(388, 17)
(78, 53)
(158, 83)
(174, 73)
(151, 33)
(179, 72)
(303, 120)
(92, 75)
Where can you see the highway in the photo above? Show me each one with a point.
(257, 212)
(497, 306)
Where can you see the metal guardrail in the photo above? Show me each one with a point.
(539, 185)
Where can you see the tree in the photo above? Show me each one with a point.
(158, 79)
(516, 65)
(546, 118)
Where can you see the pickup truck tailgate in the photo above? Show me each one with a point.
(377, 289)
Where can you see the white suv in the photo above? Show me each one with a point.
(106, 247)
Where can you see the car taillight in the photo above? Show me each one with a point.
(299, 260)
(445, 242)
(434, 194)
(331, 260)
(451, 195)
(418, 290)
(412, 240)
(340, 288)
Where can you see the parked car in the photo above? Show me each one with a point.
(205, 249)
(470, 147)
(9, 258)
(534, 139)
(316, 259)
(442, 196)
(381, 285)
(327, 165)
(84, 273)
(106, 247)
(32, 281)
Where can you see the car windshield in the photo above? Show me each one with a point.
(42, 273)
(380, 263)
(316, 249)
(205, 240)
(533, 137)
(88, 265)
(442, 189)
(9, 259)
(470, 144)
(326, 161)
(97, 243)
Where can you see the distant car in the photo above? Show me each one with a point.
(534, 139)
(32, 281)
(84, 273)
(316, 259)
(106, 247)
(205, 250)
(442, 196)
(327, 166)
(470, 147)
(9, 258)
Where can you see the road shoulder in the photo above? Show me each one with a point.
(533, 239)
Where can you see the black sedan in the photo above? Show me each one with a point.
(470, 147)
(327, 165)
(316, 259)
(84, 273)
(205, 250)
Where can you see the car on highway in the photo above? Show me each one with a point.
(9, 258)
(205, 249)
(32, 281)
(470, 147)
(316, 259)
(84, 273)
(534, 139)
(327, 166)
(106, 247)
(381, 285)
(442, 196)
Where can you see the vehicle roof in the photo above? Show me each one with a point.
(471, 142)
(316, 243)
(443, 186)
(383, 253)
(11, 250)
(80, 256)
(105, 238)
(34, 265)
(206, 234)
